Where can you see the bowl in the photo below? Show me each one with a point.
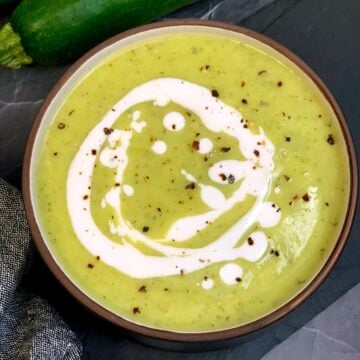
(168, 339)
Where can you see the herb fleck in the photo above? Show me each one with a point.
(61, 126)
(195, 145)
(136, 310)
(108, 131)
(330, 140)
(205, 68)
(190, 186)
(214, 93)
(288, 138)
(274, 252)
(225, 149)
(142, 288)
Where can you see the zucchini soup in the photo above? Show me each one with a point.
(192, 182)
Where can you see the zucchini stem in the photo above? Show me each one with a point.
(12, 54)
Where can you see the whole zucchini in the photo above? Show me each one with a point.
(56, 31)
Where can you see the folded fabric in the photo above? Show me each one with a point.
(29, 327)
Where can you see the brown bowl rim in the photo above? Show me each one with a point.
(188, 336)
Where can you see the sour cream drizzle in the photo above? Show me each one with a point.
(174, 121)
(254, 173)
(159, 147)
(205, 146)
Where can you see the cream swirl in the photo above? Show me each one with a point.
(253, 175)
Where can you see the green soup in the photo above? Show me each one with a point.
(192, 182)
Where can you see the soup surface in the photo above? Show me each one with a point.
(191, 182)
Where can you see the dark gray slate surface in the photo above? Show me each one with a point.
(332, 335)
(326, 34)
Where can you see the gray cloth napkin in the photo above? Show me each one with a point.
(29, 327)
